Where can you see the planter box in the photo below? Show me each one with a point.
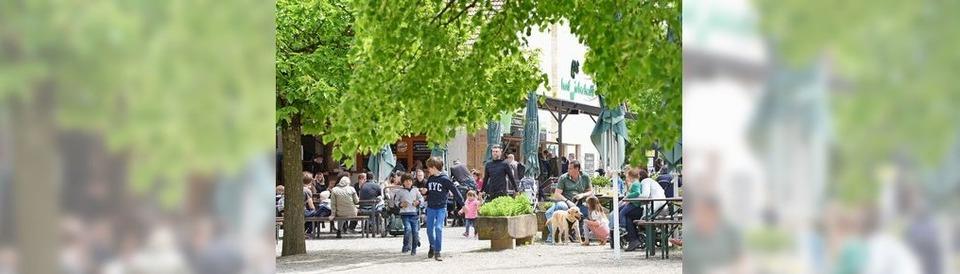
(504, 231)
(541, 220)
(542, 224)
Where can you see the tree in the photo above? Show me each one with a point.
(312, 73)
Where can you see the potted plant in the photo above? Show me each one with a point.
(506, 220)
(603, 188)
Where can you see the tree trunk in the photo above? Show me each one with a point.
(36, 181)
(293, 229)
(328, 162)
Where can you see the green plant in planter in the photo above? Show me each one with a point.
(507, 206)
(545, 205)
(600, 181)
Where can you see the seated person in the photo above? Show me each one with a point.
(645, 188)
(278, 202)
(344, 199)
(572, 189)
(370, 190)
(310, 209)
(323, 206)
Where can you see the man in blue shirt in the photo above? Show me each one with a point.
(438, 186)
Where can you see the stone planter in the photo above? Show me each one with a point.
(504, 231)
(542, 224)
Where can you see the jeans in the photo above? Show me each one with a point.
(469, 223)
(309, 225)
(624, 223)
(436, 218)
(563, 206)
(411, 232)
(634, 214)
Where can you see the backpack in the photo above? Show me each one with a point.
(395, 225)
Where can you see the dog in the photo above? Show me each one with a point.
(560, 221)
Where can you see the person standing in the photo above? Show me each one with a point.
(469, 211)
(438, 187)
(544, 166)
(462, 175)
(498, 178)
(316, 166)
(552, 164)
(478, 178)
(565, 162)
(420, 180)
(512, 162)
(408, 199)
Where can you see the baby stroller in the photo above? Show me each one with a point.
(394, 222)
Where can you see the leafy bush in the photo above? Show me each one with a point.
(545, 205)
(506, 206)
(600, 181)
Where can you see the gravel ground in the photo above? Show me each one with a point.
(353, 254)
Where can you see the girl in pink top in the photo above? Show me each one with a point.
(469, 211)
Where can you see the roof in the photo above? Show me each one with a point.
(571, 107)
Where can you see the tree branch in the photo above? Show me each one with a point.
(444, 10)
(472, 4)
(308, 48)
(345, 11)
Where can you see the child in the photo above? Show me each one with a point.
(408, 199)
(438, 187)
(279, 200)
(469, 211)
(598, 221)
(323, 207)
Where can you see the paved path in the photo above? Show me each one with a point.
(353, 254)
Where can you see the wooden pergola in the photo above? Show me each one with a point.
(560, 109)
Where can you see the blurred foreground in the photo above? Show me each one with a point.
(821, 137)
(136, 137)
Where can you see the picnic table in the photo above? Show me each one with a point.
(667, 217)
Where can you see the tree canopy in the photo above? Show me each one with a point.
(428, 67)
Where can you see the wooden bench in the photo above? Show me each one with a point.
(667, 227)
(374, 216)
(339, 220)
(341, 224)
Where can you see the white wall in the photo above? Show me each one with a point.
(457, 148)
(557, 51)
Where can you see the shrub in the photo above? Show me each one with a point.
(545, 205)
(507, 206)
(600, 181)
